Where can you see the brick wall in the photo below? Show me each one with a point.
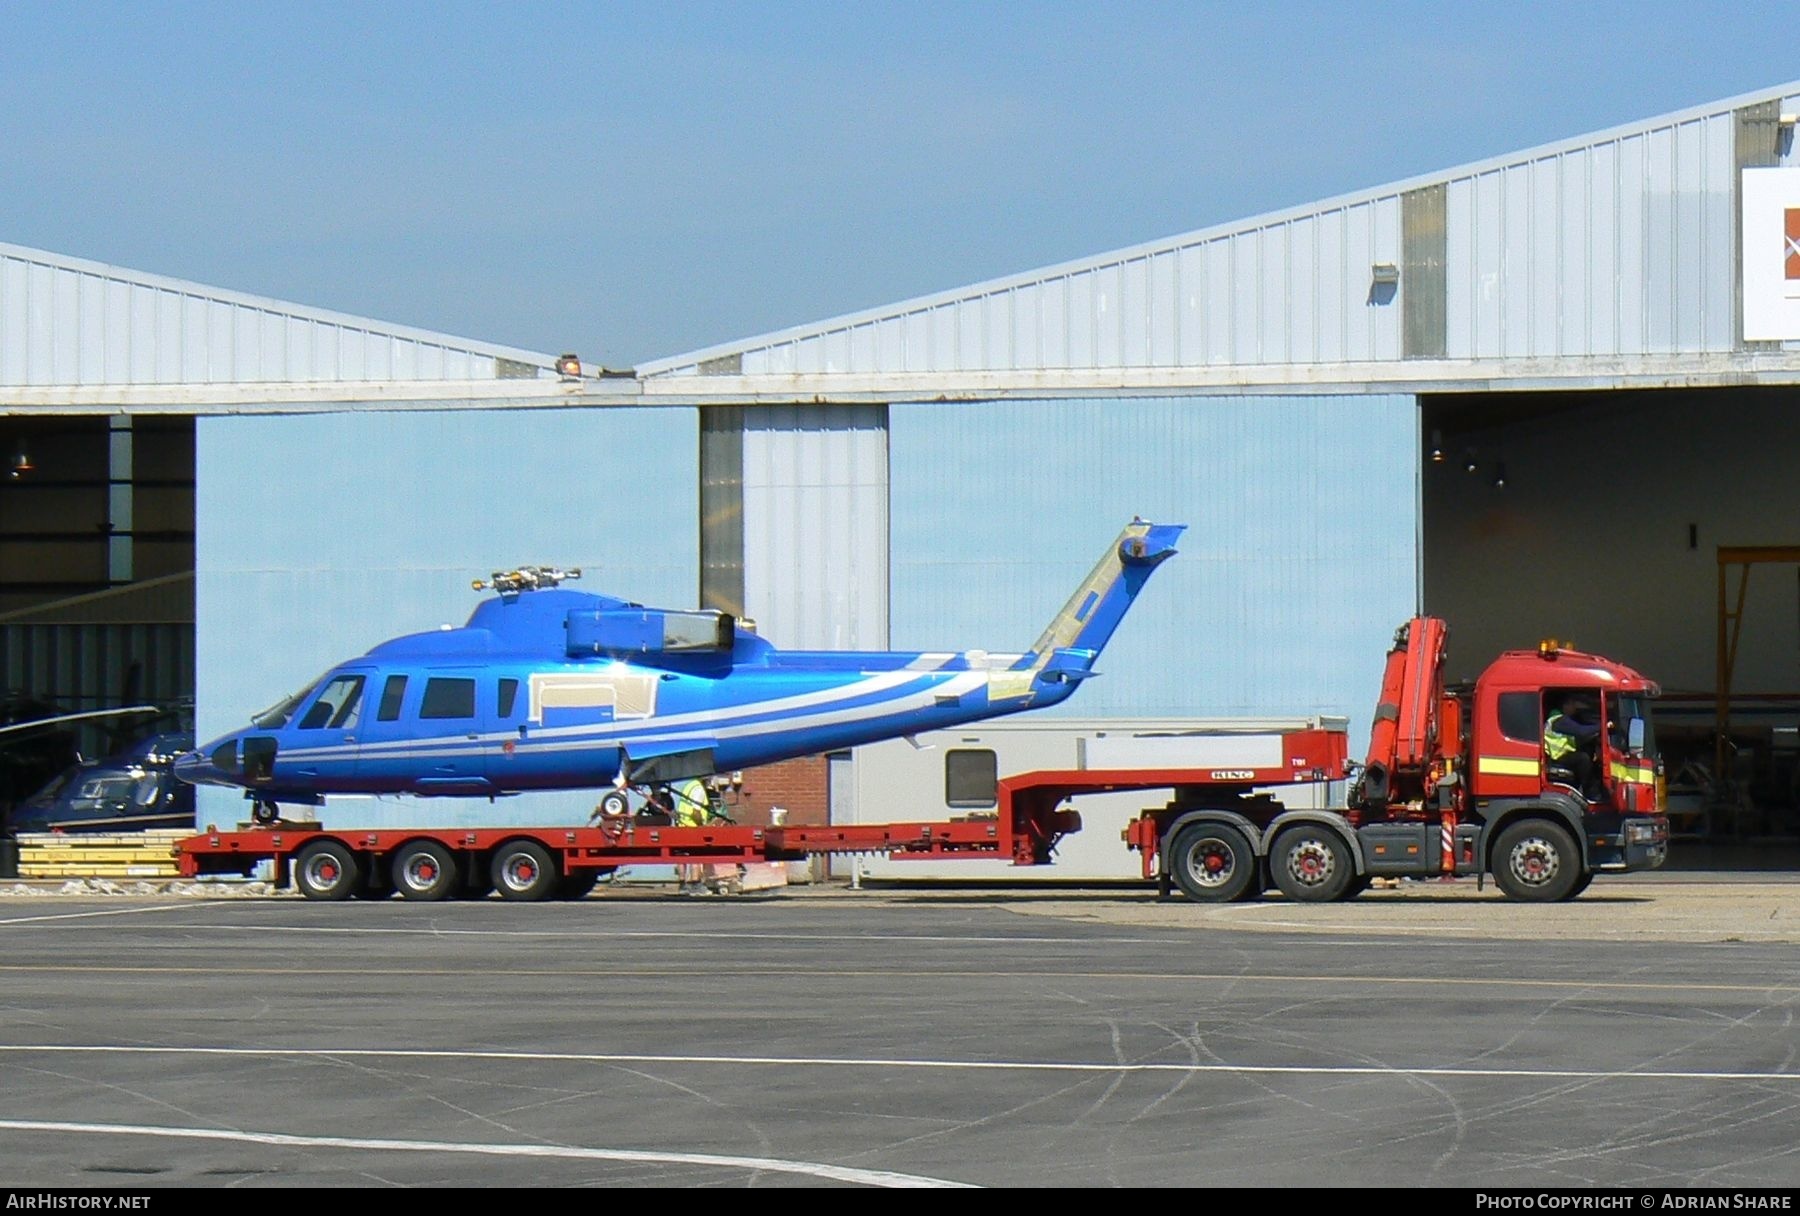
(799, 785)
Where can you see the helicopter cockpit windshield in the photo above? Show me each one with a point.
(276, 716)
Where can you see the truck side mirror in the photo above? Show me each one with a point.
(1634, 736)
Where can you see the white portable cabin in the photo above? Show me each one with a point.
(952, 774)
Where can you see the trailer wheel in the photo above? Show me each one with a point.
(425, 870)
(1310, 864)
(1537, 861)
(1212, 863)
(523, 870)
(326, 869)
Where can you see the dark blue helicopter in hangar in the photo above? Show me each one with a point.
(549, 688)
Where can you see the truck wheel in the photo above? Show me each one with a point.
(327, 870)
(523, 871)
(1212, 863)
(425, 870)
(1581, 885)
(1310, 864)
(1536, 860)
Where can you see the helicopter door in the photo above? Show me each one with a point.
(320, 742)
(426, 733)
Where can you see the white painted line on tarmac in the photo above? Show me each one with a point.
(699, 935)
(26, 920)
(569, 1057)
(834, 1173)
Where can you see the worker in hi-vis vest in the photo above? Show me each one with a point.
(693, 806)
(1570, 735)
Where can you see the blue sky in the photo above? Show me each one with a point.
(636, 180)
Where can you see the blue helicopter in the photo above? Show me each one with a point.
(548, 688)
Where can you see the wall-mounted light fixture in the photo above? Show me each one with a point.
(1500, 476)
(1469, 463)
(1384, 274)
(21, 462)
(1437, 446)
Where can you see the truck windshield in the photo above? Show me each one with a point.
(1632, 706)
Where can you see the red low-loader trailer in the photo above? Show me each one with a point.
(536, 863)
(1456, 782)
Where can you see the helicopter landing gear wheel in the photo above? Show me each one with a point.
(264, 811)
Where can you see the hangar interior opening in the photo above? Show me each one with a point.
(97, 569)
(1598, 518)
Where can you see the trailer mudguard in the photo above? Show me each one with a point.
(1566, 809)
(1208, 814)
(1329, 819)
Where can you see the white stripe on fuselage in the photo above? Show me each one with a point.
(957, 685)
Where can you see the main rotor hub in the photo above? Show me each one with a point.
(526, 578)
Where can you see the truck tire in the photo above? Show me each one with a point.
(328, 870)
(426, 871)
(1212, 863)
(1311, 864)
(1581, 885)
(1536, 860)
(523, 870)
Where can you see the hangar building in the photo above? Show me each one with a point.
(1537, 394)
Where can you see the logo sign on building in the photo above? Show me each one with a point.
(1771, 234)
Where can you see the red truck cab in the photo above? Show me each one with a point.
(1616, 790)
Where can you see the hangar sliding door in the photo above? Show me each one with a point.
(321, 535)
(1300, 559)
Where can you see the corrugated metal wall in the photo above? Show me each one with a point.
(320, 536)
(1289, 290)
(1300, 558)
(98, 666)
(1620, 247)
(65, 321)
(1616, 243)
(815, 494)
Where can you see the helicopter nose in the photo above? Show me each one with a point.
(190, 767)
(214, 764)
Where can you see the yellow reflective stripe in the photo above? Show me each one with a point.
(1634, 774)
(1506, 766)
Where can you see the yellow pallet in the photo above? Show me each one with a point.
(103, 859)
(97, 871)
(121, 840)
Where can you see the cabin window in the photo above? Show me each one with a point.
(392, 693)
(1519, 717)
(628, 696)
(448, 698)
(509, 693)
(971, 778)
(337, 707)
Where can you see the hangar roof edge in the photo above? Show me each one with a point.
(271, 305)
(689, 363)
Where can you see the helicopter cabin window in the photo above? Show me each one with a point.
(392, 693)
(509, 693)
(971, 778)
(446, 697)
(627, 696)
(336, 706)
(1519, 717)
